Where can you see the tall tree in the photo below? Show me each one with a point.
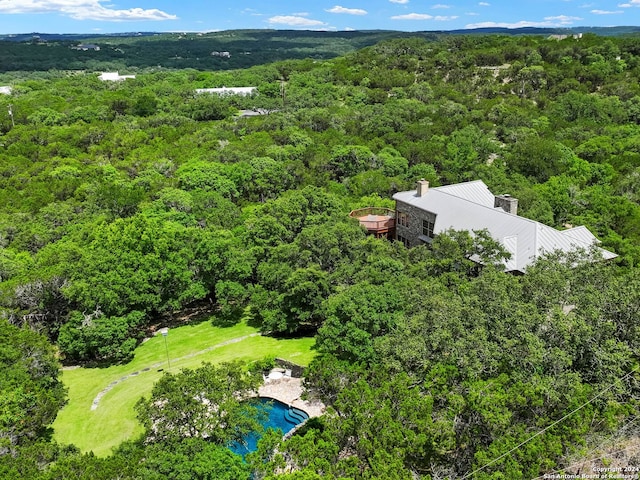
(211, 402)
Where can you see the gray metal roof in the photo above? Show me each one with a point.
(475, 191)
(469, 206)
(581, 233)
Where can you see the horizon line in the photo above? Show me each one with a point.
(140, 32)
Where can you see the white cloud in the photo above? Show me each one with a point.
(412, 16)
(520, 24)
(439, 5)
(348, 11)
(251, 11)
(632, 3)
(402, 2)
(556, 21)
(606, 12)
(294, 21)
(484, 4)
(442, 18)
(563, 19)
(82, 10)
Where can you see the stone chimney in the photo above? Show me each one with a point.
(508, 203)
(423, 187)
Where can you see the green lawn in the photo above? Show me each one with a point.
(114, 419)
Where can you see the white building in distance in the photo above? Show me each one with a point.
(223, 91)
(114, 76)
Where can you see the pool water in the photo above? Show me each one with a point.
(280, 416)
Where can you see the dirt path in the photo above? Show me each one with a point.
(104, 391)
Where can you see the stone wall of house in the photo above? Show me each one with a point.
(414, 229)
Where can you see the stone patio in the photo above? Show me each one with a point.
(288, 390)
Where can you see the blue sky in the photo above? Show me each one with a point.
(109, 16)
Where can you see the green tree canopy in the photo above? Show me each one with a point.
(212, 402)
(30, 392)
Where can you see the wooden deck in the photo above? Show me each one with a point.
(378, 221)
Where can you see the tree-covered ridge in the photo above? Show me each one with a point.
(222, 50)
(198, 50)
(125, 201)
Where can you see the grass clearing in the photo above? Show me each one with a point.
(114, 421)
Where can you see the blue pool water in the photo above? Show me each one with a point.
(280, 416)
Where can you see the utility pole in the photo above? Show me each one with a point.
(165, 332)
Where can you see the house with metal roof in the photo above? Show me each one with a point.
(425, 212)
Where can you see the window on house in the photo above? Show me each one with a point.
(427, 227)
(403, 219)
(404, 240)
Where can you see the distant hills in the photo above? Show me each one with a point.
(604, 31)
(221, 50)
(51, 37)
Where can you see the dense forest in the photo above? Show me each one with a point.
(125, 202)
(149, 51)
(198, 50)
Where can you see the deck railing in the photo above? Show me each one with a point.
(363, 212)
(375, 218)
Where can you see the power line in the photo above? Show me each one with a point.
(602, 392)
(611, 440)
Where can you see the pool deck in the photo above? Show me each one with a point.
(289, 390)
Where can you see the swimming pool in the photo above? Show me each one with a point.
(280, 416)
